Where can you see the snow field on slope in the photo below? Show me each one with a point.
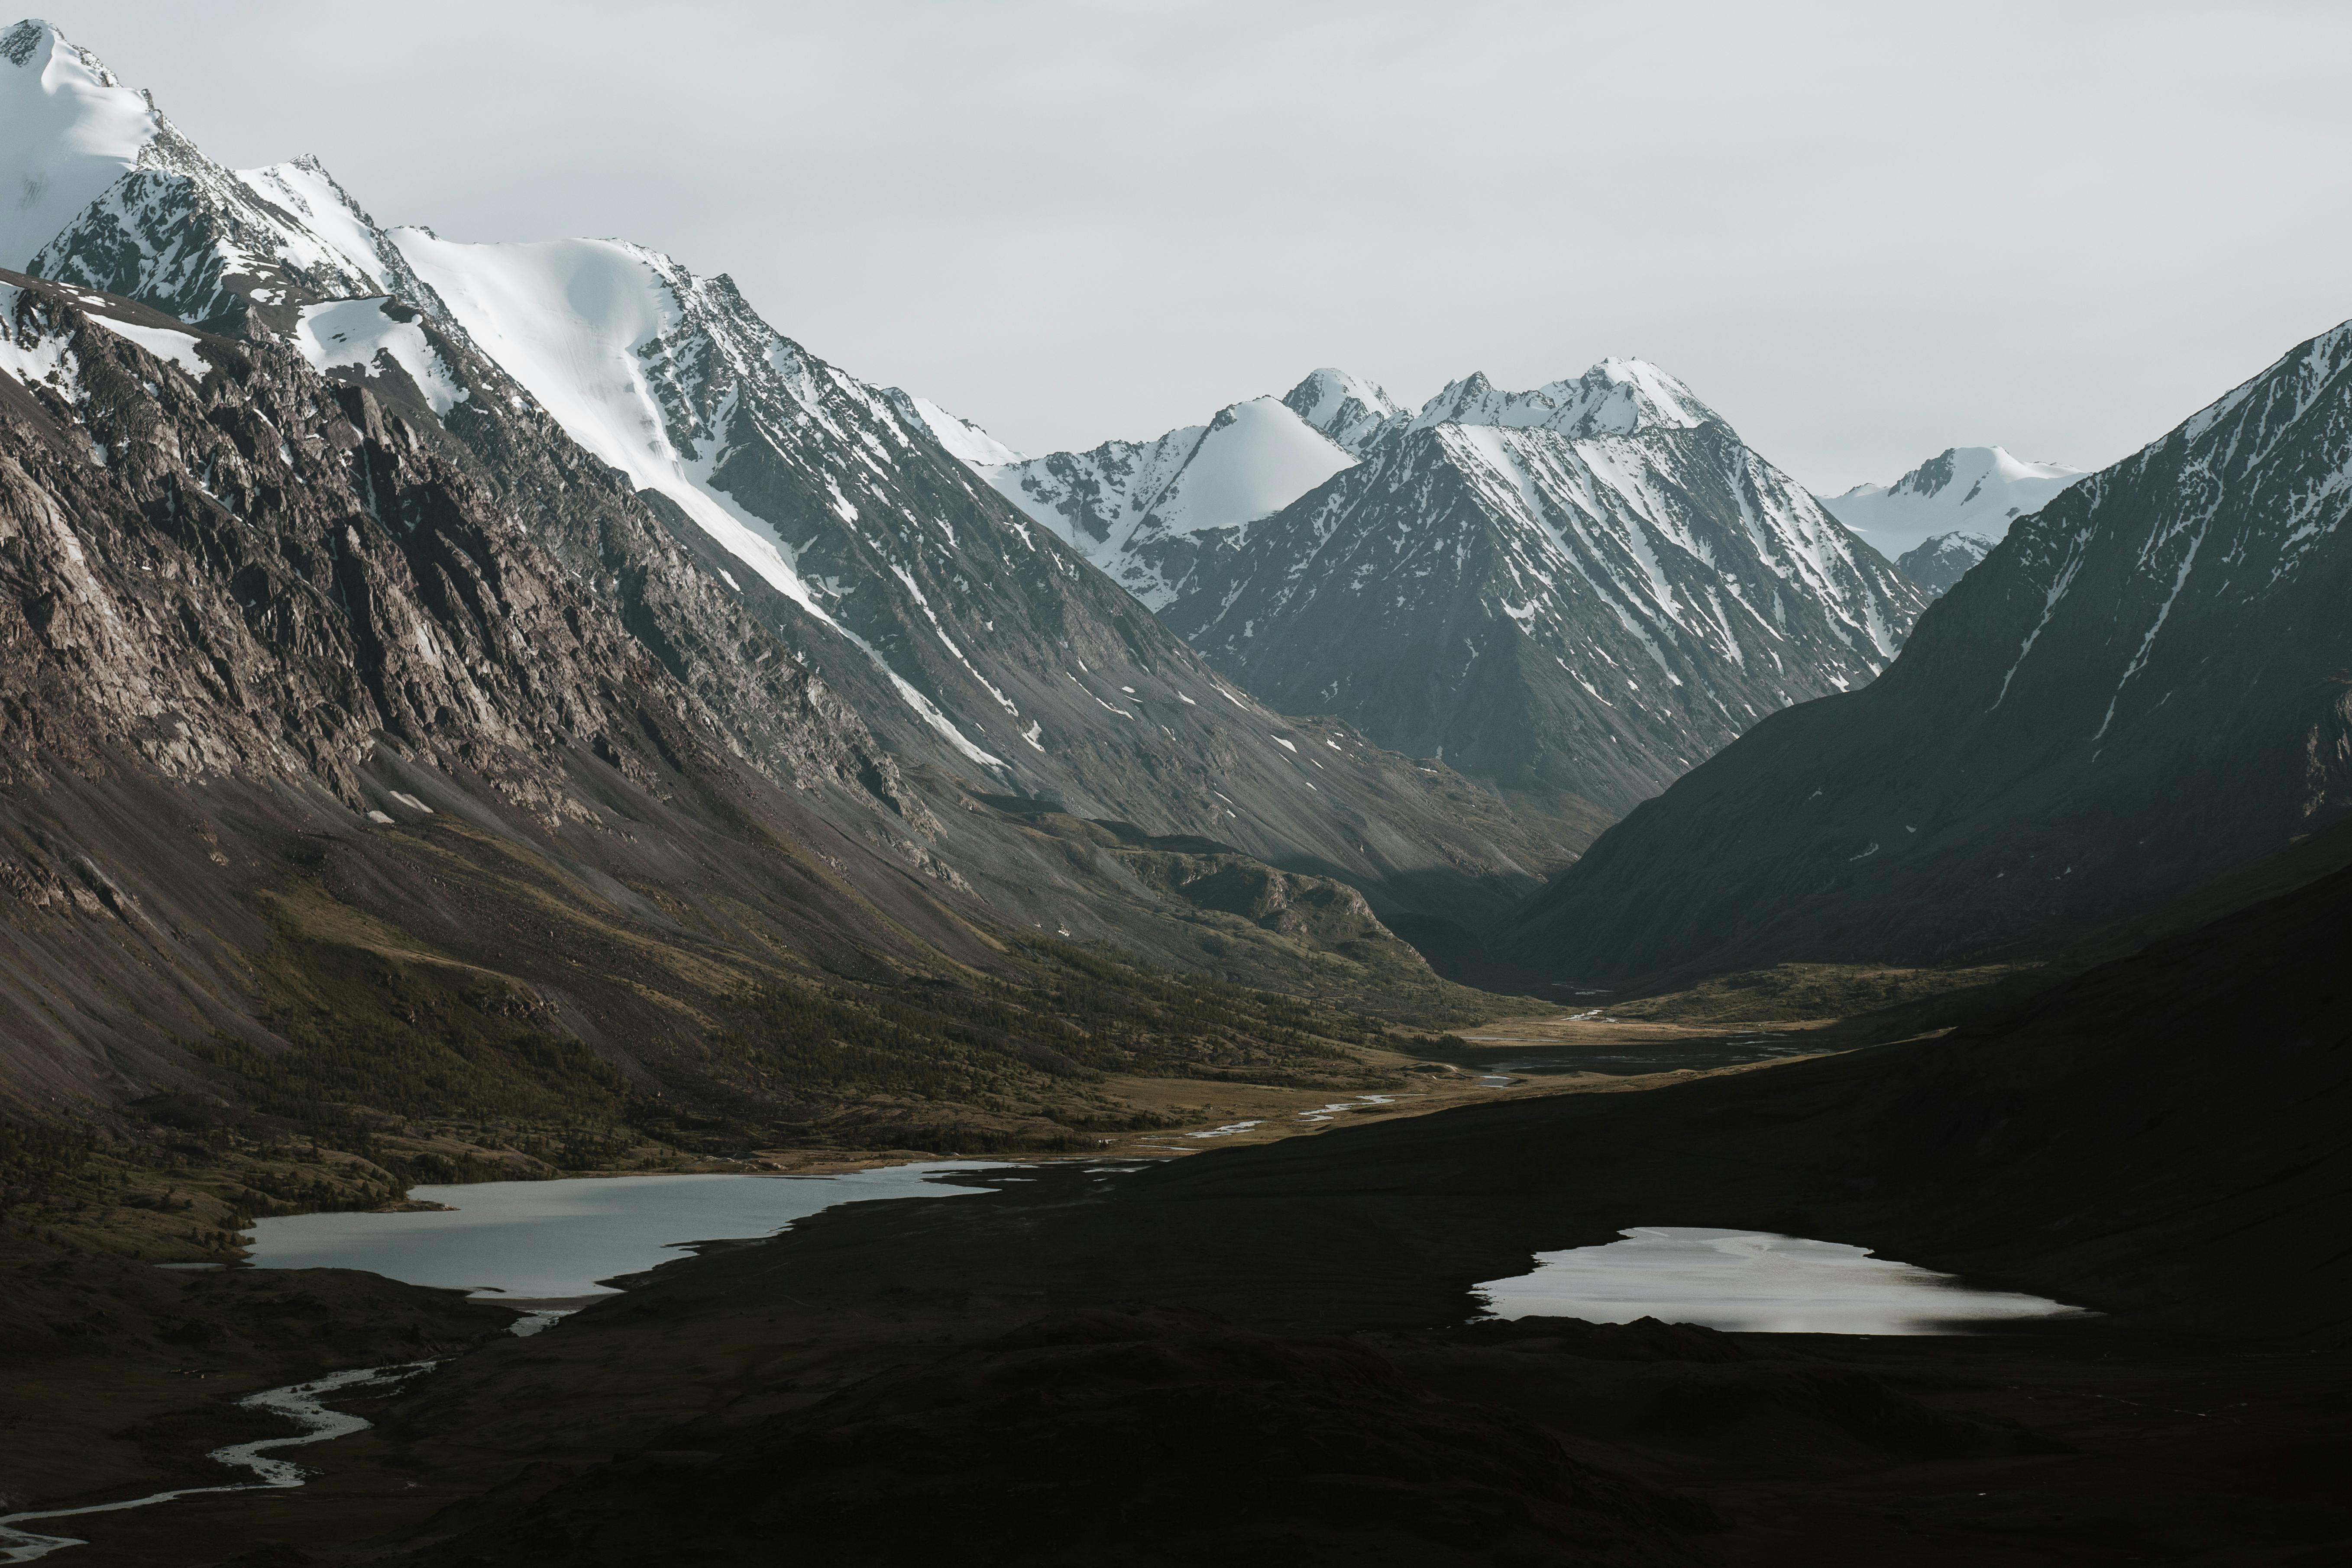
(51, 353)
(68, 131)
(566, 317)
(179, 348)
(346, 333)
(1257, 459)
(47, 361)
(1249, 462)
(965, 441)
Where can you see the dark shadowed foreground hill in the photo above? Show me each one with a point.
(2144, 686)
(1266, 1348)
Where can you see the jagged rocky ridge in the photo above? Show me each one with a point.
(2142, 686)
(1574, 592)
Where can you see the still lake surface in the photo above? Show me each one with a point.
(561, 1239)
(1752, 1282)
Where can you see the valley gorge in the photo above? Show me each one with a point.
(503, 716)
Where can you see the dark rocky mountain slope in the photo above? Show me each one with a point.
(2143, 686)
(351, 835)
(1937, 562)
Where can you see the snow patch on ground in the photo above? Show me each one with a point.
(360, 334)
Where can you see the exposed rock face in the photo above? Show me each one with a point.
(1944, 560)
(247, 612)
(235, 568)
(2140, 688)
(1577, 593)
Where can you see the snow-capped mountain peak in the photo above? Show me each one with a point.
(1615, 397)
(642, 362)
(69, 129)
(332, 232)
(1143, 511)
(1352, 412)
(99, 190)
(1968, 489)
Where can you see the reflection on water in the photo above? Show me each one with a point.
(1753, 1281)
(542, 1239)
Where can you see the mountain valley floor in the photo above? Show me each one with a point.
(1264, 1353)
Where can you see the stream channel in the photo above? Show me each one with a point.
(545, 1247)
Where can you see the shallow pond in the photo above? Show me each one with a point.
(563, 1238)
(1752, 1282)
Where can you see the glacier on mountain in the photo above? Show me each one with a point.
(1978, 491)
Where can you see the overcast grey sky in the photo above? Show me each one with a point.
(1863, 232)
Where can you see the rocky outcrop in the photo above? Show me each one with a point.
(1937, 563)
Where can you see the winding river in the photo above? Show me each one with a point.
(302, 1403)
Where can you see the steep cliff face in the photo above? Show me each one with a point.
(2140, 688)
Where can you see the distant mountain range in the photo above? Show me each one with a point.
(977, 648)
(1573, 594)
(2141, 687)
(1514, 616)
